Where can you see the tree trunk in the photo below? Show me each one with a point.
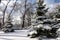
(23, 21)
(29, 18)
(4, 12)
(24, 15)
(12, 9)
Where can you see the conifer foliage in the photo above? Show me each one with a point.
(44, 25)
(41, 10)
(8, 26)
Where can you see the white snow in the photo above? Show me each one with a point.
(47, 27)
(40, 25)
(17, 35)
(32, 32)
(20, 35)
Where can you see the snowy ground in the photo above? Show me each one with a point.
(20, 35)
(17, 35)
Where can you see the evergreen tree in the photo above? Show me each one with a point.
(41, 8)
(8, 25)
(44, 28)
(58, 14)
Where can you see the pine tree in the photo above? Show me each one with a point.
(39, 29)
(8, 25)
(41, 8)
(40, 12)
(58, 14)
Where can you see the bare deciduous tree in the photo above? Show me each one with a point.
(4, 12)
(12, 9)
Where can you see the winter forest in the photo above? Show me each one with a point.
(29, 19)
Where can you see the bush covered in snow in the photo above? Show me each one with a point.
(43, 30)
(8, 27)
(32, 34)
(35, 31)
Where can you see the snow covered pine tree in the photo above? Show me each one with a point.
(41, 10)
(45, 26)
(8, 26)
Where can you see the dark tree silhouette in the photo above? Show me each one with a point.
(0, 1)
(41, 8)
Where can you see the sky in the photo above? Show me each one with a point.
(52, 1)
(32, 1)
